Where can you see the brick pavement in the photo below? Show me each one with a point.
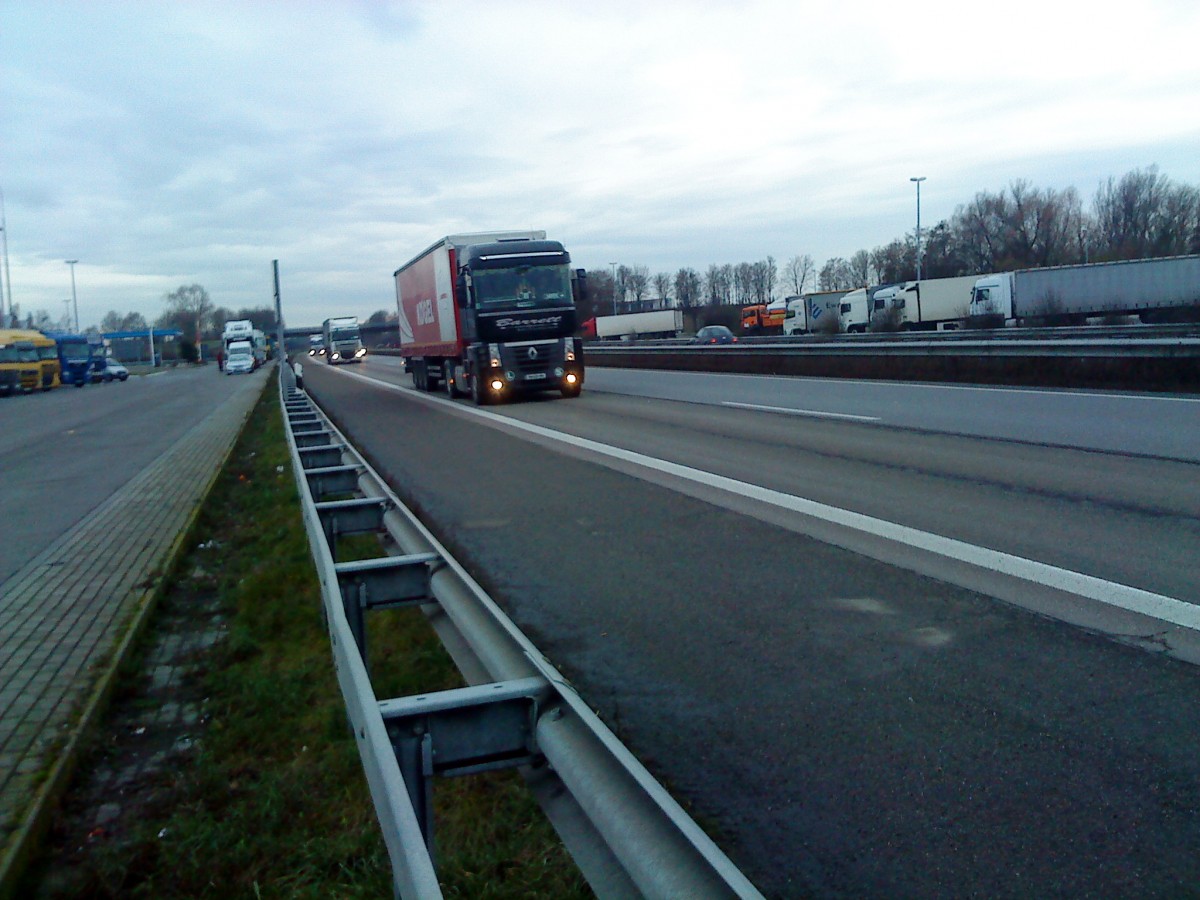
(67, 618)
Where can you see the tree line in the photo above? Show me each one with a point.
(1141, 215)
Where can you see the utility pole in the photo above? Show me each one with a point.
(918, 181)
(280, 349)
(5, 319)
(74, 299)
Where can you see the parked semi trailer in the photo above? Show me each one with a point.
(1156, 290)
(817, 311)
(492, 315)
(661, 323)
(931, 304)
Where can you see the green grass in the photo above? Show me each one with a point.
(274, 803)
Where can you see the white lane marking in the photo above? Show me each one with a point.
(1158, 606)
(800, 412)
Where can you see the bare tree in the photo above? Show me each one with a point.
(798, 272)
(188, 309)
(860, 268)
(688, 288)
(837, 275)
(1144, 215)
(743, 282)
(662, 287)
(639, 282)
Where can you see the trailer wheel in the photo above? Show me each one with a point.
(448, 378)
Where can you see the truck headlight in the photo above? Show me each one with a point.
(335, 355)
(362, 351)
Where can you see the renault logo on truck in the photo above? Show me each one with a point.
(533, 353)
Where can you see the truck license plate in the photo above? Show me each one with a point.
(536, 376)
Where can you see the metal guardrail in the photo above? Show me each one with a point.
(626, 833)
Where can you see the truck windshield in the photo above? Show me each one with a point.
(9, 354)
(343, 334)
(48, 351)
(523, 287)
(27, 353)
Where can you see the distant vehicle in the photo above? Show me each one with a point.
(316, 345)
(20, 367)
(343, 341)
(813, 312)
(660, 323)
(1156, 290)
(114, 370)
(773, 315)
(933, 303)
(714, 334)
(753, 317)
(491, 314)
(239, 358)
(80, 357)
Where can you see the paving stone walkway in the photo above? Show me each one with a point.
(70, 613)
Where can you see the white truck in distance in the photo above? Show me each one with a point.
(812, 312)
(1155, 290)
(932, 303)
(343, 342)
(663, 323)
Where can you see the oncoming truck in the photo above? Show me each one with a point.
(491, 315)
(343, 341)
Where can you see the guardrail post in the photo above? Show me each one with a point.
(463, 732)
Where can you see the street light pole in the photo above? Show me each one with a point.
(613, 288)
(74, 299)
(7, 286)
(918, 181)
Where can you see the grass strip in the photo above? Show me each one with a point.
(269, 798)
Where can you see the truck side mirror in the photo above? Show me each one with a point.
(580, 279)
(460, 291)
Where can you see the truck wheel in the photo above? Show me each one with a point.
(571, 390)
(418, 374)
(448, 380)
(478, 392)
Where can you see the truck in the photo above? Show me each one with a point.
(343, 341)
(80, 357)
(491, 314)
(661, 323)
(1155, 290)
(811, 312)
(236, 330)
(316, 345)
(940, 304)
(854, 310)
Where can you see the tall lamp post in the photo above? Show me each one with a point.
(7, 286)
(918, 180)
(74, 299)
(614, 286)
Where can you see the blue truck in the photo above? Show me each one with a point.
(81, 357)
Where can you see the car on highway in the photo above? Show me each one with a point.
(714, 334)
(114, 370)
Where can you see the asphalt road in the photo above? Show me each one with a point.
(65, 452)
(851, 722)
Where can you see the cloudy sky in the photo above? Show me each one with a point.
(173, 143)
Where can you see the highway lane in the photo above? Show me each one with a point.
(1151, 424)
(1125, 518)
(65, 452)
(851, 726)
